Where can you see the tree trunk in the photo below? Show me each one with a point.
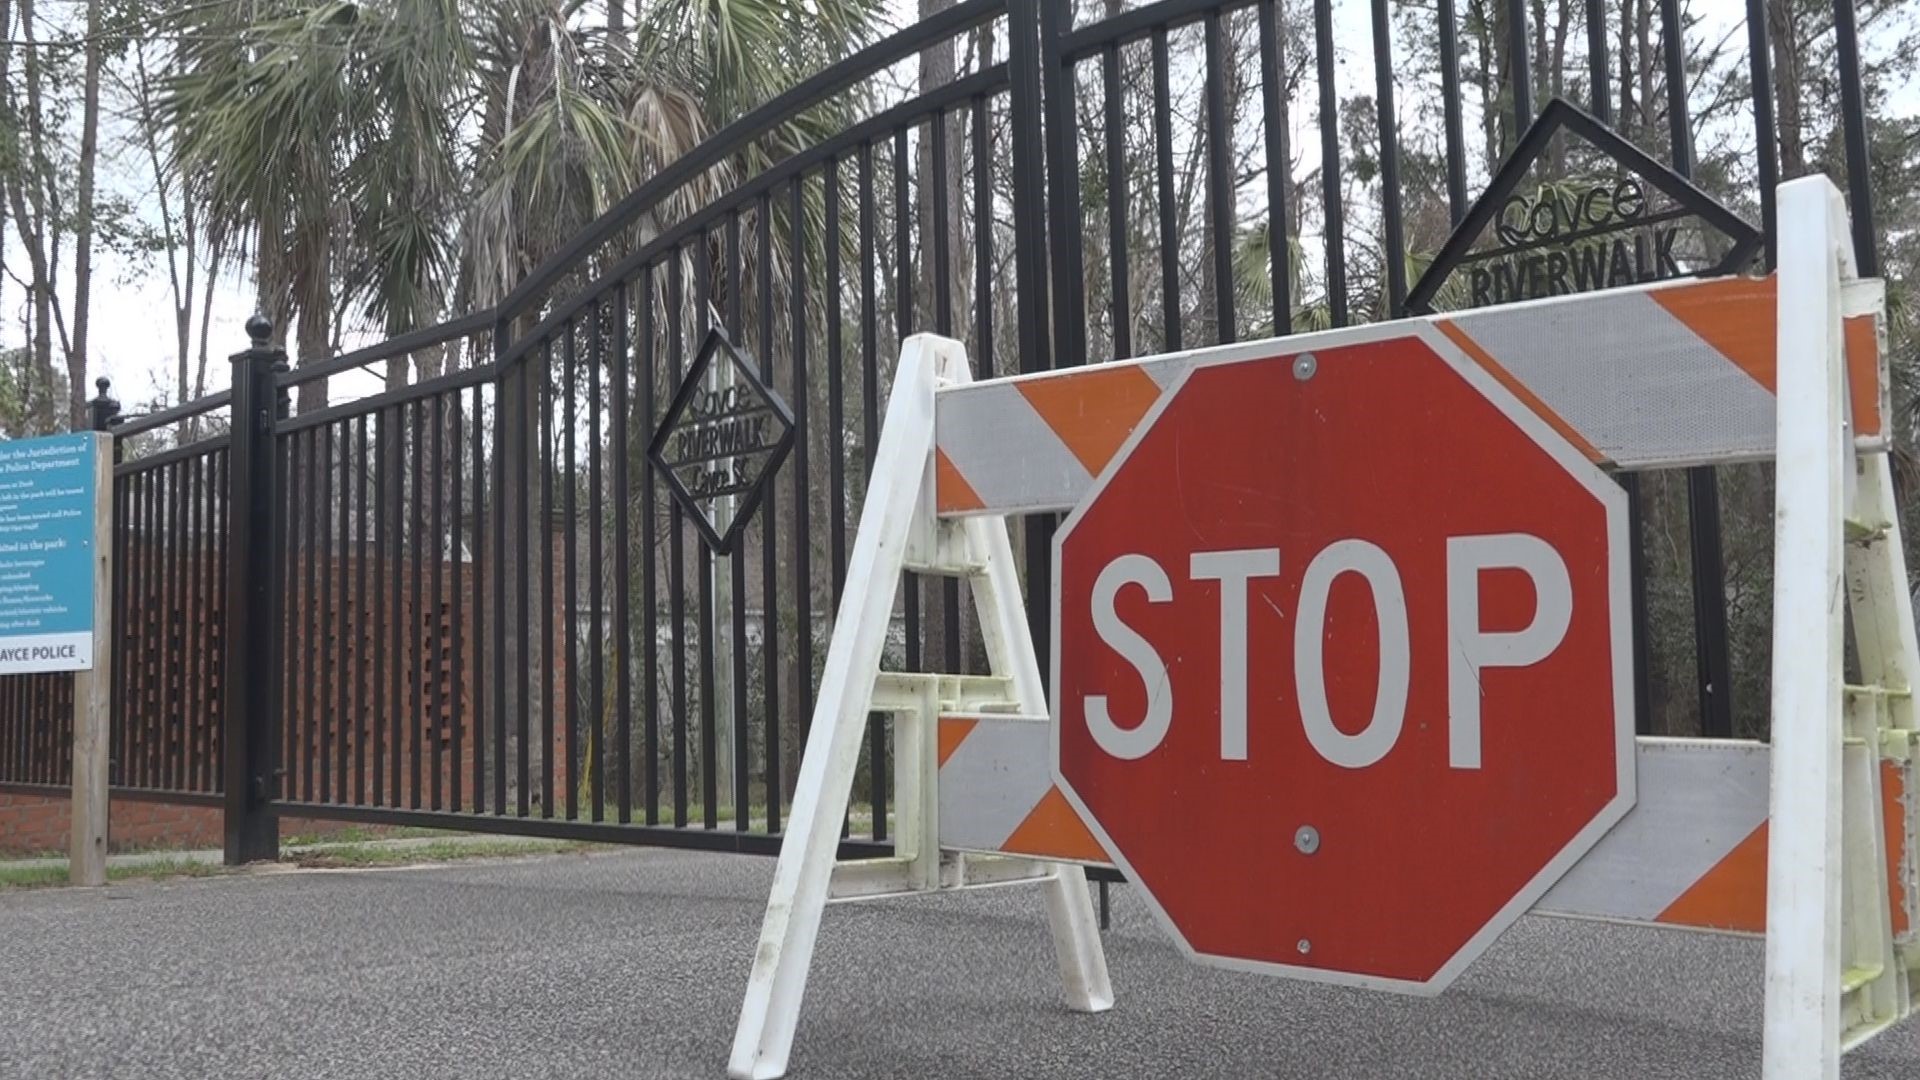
(83, 228)
(314, 286)
(43, 241)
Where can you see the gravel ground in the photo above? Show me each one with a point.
(630, 963)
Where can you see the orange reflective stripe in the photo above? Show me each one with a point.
(1053, 829)
(951, 492)
(1094, 409)
(1862, 340)
(1736, 316)
(1732, 895)
(953, 730)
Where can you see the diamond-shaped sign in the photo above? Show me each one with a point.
(1577, 208)
(723, 437)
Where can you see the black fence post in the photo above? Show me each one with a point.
(103, 411)
(1028, 146)
(252, 829)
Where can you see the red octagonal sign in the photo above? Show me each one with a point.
(1341, 669)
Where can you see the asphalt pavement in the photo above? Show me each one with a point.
(630, 964)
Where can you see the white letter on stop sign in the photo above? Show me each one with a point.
(1470, 648)
(1139, 741)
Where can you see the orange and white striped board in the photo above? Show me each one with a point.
(1680, 373)
(1691, 853)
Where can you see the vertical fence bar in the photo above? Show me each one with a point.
(1279, 169)
(982, 240)
(1853, 127)
(198, 660)
(1118, 196)
(1396, 254)
(570, 582)
(676, 564)
(499, 498)
(1452, 123)
(596, 574)
(306, 729)
(737, 569)
(1519, 79)
(433, 628)
(1703, 489)
(1220, 178)
(1065, 226)
(171, 714)
(133, 677)
(342, 622)
(479, 534)
(523, 525)
(1766, 147)
(904, 324)
(769, 532)
(386, 782)
(836, 389)
(416, 638)
(393, 426)
(622, 544)
(321, 646)
(455, 686)
(361, 624)
(153, 655)
(542, 534)
(1334, 212)
(1027, 139)
(1673, 50)
(709, 623)
(802, 502)
(649, 568)
(117, 732)
(942, 248)
(1163, 174)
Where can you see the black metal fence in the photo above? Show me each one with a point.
(470, 602)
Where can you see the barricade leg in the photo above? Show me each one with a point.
(771, 1007)
(1076, 936)
(1803, 948)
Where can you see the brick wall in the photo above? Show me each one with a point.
(37, 824)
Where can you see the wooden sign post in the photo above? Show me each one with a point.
(56, 552)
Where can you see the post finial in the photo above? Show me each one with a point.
(260, 330)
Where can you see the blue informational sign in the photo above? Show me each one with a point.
(47, 507)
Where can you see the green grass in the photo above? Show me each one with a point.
(359, 834)
(347, 856)
(38, 877)
(438, 851)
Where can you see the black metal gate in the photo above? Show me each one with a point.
(470, 603)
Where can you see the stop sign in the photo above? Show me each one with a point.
(1341, 659)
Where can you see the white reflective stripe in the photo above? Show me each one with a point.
(1638, 383)
(1633, 379)
(1698, 800)
(992, 781)
(1023, 460)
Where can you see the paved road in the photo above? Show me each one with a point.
(630, 963)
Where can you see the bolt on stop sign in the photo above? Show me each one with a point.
(1341, 660)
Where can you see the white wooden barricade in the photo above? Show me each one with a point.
(1811, 840)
